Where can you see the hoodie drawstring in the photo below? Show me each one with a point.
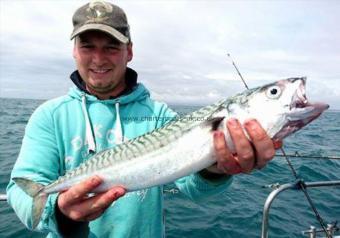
(118, 132)
(89, 132)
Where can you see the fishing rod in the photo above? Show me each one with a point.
(301, 184)
(297, 155)
(244, 82)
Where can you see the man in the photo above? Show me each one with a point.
(64, 132)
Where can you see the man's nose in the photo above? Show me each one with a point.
(99, 56)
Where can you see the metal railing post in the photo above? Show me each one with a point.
(278, 190)
(3, 197)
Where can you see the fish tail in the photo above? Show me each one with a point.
(35, 190)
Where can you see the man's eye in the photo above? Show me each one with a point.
(113, 48)
(87, 46)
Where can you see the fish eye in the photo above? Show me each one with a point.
(273, 92)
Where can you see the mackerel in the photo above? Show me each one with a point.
(185, 145)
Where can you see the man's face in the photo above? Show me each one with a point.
(101, 61)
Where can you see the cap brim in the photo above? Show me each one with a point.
(104, 28)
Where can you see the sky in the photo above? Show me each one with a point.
(180, 47)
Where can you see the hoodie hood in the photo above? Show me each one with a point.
(138, 93)
(130, 81)
(134, 92)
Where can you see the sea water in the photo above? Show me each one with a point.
(235, 213)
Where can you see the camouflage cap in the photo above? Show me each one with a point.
(101, 16)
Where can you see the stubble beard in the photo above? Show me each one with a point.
(109, 89)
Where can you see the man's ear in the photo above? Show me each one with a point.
(74, 47)
(130, 52)
(74, 52)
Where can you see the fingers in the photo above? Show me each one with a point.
(253, 152)
(79, 191)
(104, 200)
(75, 204)
(226, 162)
(244, 150)
(264, 147)
(93, 207)
(94, 215)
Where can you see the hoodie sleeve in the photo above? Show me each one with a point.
(195, 186)
(38, 161)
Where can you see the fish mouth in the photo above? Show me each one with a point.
(301, 112)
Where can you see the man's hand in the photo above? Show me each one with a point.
(254, 154)
(75, 204)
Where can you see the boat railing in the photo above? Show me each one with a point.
(331, 229)
(3, 197)
(312, 233)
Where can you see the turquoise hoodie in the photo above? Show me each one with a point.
(64, 132)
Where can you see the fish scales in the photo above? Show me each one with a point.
(133, 149)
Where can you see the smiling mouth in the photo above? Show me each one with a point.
(100, 71)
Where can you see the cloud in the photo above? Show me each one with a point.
(180, 48)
